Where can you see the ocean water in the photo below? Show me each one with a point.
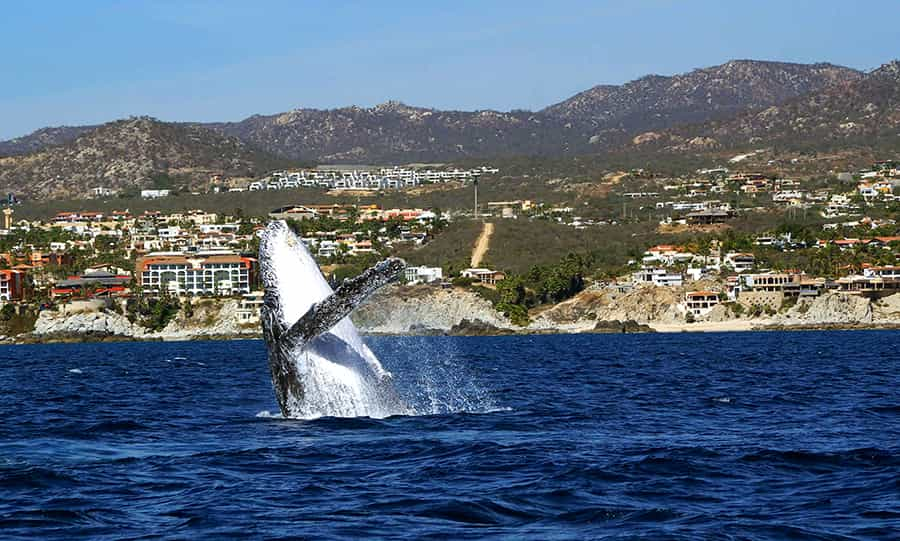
(690, 436)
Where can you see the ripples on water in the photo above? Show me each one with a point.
(720, 436)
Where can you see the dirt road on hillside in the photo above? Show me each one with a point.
(482, 245)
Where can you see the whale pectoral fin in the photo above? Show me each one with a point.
(326, 314)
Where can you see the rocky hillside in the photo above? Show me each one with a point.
(655, 102)
(41, 139)
(394, 132)
(740, 102)
(601, 117)
(857, 111)
(130, 154)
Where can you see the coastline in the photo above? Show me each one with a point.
(428, 311)
(678, 328)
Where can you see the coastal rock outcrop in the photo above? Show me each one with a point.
(641, 304)
(828, 309)
(412, 309)
(208, 318)
(100, 323)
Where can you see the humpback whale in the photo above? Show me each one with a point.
(319, 364)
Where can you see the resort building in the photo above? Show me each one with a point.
(210, 273)
(868, 286)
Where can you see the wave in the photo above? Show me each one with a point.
(862, 457)
(34, 477)
(104, 427)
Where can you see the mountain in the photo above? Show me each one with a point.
(737, 103)
(655, 102)
(41, 139)
(128, 155)
(864, 110)
(395, 132)
(600, 118)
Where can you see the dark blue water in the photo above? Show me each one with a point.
(718, 436)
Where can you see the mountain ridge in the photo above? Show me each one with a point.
(130, 154)
(738, 103)
(862, 111)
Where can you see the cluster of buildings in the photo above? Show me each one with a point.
(744, 283)
(384, 178)
(875, 185)
(359, 213)
(880, 181)
(190, 253)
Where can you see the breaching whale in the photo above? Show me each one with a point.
(319, 364)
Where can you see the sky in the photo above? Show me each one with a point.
(92, 61)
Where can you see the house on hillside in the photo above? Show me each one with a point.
(484, 276)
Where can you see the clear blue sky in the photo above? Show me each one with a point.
(93, 61)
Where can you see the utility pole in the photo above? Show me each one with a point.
(475, 183)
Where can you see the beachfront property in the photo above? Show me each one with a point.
(700, 303)
(212, 273)
(249, 308)
(869, 286)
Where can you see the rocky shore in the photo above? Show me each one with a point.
(421, 310)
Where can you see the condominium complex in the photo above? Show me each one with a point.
(204, 273)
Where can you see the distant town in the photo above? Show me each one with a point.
(90, 260)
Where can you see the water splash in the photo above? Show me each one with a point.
(433, 378)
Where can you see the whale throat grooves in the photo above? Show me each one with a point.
(319, 364)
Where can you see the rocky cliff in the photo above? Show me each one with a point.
(211, 318)
(430, 310)
(410, 310)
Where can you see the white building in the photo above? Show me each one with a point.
(249, 308)
(740, 262)
(423, 275)
(700, 303)
(658, 277)
(154, 194)
(212, 273)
